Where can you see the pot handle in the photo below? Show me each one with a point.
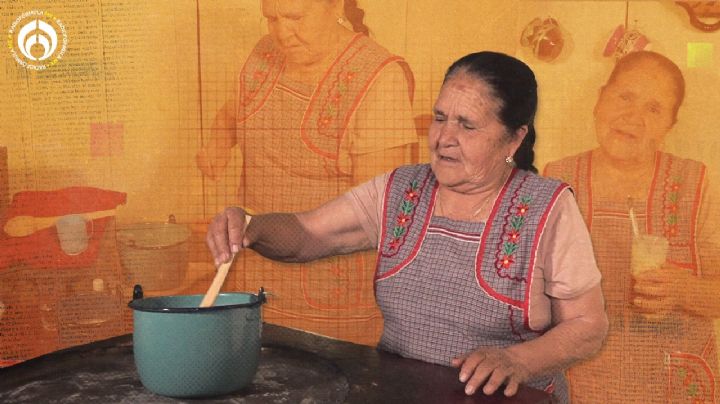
(137, 292)
(261, 295)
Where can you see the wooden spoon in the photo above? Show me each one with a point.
(217, 283)
(222, 272)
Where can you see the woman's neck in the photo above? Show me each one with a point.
(474, 205)
(619, 179)
(642, 164)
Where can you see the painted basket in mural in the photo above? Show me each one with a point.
(154, 255)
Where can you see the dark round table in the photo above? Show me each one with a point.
(295, 367)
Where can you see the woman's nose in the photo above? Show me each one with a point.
(282, 30)
(446, 134)
(633, 115)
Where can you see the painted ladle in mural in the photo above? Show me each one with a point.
(21, 226)
(217, 283)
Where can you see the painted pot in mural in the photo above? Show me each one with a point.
(623, 41)
(544, 37)
(154, 255)
(182, 350)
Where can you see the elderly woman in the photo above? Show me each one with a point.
(661, 345)
(320, 108)
(481, 265)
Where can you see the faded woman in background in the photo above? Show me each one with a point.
(320, 107)
(661, 275)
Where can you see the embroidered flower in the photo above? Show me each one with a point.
(691, 378)
(673, 187)
(512, 237)
(259, 75)
(336, 98)
(404, 217)
(394, 244)
(398, 233)
(524, 205)
(506, 261)
(336, 93)
(671, 207)
(266, 64)
(324, 121)
(411, 195)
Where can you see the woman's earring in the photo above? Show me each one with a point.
(340, 21)
(509, 160)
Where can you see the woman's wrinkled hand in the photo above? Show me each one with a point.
(662, 291)
(212, 160)
(491, 368)
(226, 234)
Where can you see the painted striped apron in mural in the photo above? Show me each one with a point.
(290, 134)
(446, 287)
(668, 361)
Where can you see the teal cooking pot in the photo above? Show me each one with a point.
(182, 350)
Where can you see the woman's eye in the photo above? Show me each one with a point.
(468, 126)
(438, 118)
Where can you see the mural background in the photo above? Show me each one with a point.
(134, 97)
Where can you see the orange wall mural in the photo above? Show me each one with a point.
(126, 125)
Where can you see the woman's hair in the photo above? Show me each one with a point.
(514, 86)
(355, 15)
(645, 58)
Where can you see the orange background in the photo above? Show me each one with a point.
(145, 79)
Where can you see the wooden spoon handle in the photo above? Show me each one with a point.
(21, 226)
(216, 284)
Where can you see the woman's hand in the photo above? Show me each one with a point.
(226, 234)
(492, 367)
(214, 156)
(664, 290)
(580, 326)
(212, 160)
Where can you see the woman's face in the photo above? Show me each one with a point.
(300, 28)
(634, 113)
(468, 143)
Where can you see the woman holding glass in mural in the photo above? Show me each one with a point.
(320, 107)
(648, 216)
(482, 265)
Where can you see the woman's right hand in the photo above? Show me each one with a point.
(212, 160)
(226, 233)
(215, 153)
(659, 292)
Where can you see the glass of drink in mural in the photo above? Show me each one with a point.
(648, 252)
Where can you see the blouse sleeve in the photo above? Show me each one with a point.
(565, 254)
(367, 201)
(384, 118)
